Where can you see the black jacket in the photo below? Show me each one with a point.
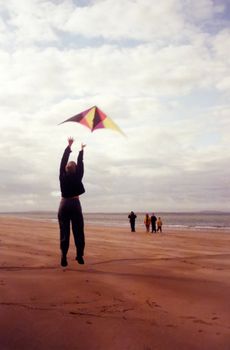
(71, 183)
(132, 217)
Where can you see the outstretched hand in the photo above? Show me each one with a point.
(70, 141)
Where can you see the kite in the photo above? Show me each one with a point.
(93, 118)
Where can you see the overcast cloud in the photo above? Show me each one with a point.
(160, 70)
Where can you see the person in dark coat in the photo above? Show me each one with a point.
(153, 223)
(70, 211)
(132, 218)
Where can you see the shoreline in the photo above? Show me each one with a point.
(140, 227)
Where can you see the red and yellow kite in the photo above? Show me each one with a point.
(93, 118)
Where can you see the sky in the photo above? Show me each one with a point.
(159, 69)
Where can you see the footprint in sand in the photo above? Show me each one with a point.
(118, 299)
(129, 309)
(152, 303)
(171, 325)
(97, 293)
(202, 322)
(189, 317)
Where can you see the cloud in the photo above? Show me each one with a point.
(160, 72)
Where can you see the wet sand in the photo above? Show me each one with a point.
(136, 291)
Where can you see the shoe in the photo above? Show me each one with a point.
(64, 261)
(80, 260)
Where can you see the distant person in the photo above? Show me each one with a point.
(70, 211)
(159, 224)
(132, 217)
(153, 222)
(147, 222)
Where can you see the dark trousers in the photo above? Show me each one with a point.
(132, 224)
(70, 213)
(154, 228)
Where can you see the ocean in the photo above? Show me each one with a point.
(197, 220)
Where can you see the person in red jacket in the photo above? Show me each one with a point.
(70, 211)
(147, 222)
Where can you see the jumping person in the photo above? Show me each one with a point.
(70, 211)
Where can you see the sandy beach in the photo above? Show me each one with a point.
(136, 291)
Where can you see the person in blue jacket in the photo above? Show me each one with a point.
(70, 211)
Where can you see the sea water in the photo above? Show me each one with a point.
(197, 220)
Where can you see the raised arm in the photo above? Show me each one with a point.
(80, 164)
(65, 156)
